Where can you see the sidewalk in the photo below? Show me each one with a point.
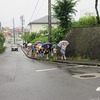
(68, 61)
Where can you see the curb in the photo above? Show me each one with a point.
(65, 61)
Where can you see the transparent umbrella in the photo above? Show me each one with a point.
(29, 44)
(63, 42)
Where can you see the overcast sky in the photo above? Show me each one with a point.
(34, 9)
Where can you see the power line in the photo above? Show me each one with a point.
(25, 5)
(34, 11)
(39, 8)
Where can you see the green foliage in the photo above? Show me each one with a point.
(87, 21)
(2, 40)
(33, 37)
(57, 34)
(43, 32)
(40, 38)
(25, 37)
(63, 10)
(2, 49)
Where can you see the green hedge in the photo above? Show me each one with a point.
(84, 42)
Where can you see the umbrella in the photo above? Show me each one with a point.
(38, 42)
(29, 44)
(63, 42)
(54, 45)
(46, 44)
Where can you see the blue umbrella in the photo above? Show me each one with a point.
(46, 43)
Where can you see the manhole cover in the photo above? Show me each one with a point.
(88, 76)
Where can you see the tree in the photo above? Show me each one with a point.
(96, 7)
(25, 37)
(57, 34)
(63, 10)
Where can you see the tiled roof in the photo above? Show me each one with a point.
(44, 20)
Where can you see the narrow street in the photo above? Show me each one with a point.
(22, 78)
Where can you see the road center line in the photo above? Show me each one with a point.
(98, 89)
(43, 70)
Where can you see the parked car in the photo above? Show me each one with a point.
(14, 47)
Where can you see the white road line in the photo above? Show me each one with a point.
(98, 89)
(43, 70)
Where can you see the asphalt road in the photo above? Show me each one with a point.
(22, 78)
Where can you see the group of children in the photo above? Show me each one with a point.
(39, 51)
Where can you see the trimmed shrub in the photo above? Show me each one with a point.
(84, 42)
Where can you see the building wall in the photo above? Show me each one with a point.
(38, 27)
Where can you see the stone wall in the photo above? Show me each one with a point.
(84, 42)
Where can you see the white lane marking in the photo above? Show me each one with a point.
(98, 89)
(43, 70)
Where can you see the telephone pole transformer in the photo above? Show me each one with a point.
(49, 21)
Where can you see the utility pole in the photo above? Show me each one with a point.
(22, 23)
(49, 21)
(14, 29)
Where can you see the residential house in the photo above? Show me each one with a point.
(42, 24)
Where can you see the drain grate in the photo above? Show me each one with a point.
(88, 76)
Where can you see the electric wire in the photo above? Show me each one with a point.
(25, 5)
(34, 10)
(39, 9)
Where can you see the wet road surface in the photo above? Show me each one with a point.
(22, 78)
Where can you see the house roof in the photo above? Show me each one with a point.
(44, 20)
